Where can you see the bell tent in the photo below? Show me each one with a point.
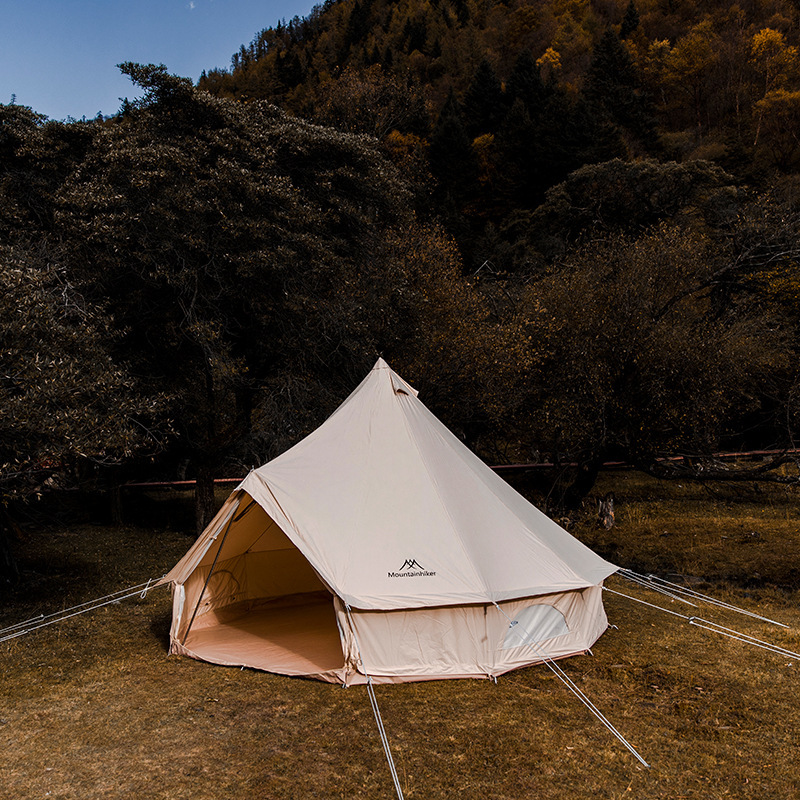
(381, 546)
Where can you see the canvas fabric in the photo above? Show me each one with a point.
(383, 513)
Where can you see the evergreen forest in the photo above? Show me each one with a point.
(574, 226)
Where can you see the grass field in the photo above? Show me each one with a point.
(94, 708)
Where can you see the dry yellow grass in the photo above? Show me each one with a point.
(93, 708)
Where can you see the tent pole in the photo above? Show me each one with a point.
(208, 578)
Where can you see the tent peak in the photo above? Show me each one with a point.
(399, 386)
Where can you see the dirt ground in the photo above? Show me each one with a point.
(94, 708)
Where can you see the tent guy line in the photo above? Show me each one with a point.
(646, 585)
(714, 627)
(43, 620)
(657, 584)
(580, 694)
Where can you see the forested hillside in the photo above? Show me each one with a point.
(504, 99)
(573, 226)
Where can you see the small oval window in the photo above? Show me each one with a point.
(535, 624)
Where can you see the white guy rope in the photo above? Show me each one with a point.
(23, 623)
(91, 605)
(576, 690)
(640, 580)
(376, 711)
(684, 590)
(645, 603)
(715, 627)
(41, 617)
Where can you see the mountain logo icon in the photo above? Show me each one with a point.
(411, 569)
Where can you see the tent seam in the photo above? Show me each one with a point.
(435, 483)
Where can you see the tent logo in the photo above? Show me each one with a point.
(411, 569)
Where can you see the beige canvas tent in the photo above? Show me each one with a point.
(381, 545)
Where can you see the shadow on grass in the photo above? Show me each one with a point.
(159, 628)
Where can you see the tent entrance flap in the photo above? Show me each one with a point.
(255, 601)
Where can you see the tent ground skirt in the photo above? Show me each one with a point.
(296, 638)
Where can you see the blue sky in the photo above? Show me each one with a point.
(59, 56)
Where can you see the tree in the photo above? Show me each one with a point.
(613, 89)
(637, 362)
(630, 22)
(36, 155)
(246, 255)
(469, 356)
(525, 83)
(451, 156)
(690, 67)
(775, 64)
(521, 162)
(65, 404)
(484, 106)
(624, 196)
(372, 101)
(778, 114)
(774, 61)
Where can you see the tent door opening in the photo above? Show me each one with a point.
(263, 606)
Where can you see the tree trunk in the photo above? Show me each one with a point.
(9, 571)
(116, 505)
(583, 484)
(204, 504)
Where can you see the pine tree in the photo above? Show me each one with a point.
(630, 22)
(484, 105)
(452, 159)
(415, 33)
(525, 83)
(519, 158)
(288, 69)
(357, 24)
(614, 92)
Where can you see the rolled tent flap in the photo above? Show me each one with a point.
(383, 510)
(184, 568)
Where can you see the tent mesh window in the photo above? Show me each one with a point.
(534, 624)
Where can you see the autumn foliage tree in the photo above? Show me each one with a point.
(66, 405)
(639, 362)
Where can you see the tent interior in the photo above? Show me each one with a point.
(263, 606)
